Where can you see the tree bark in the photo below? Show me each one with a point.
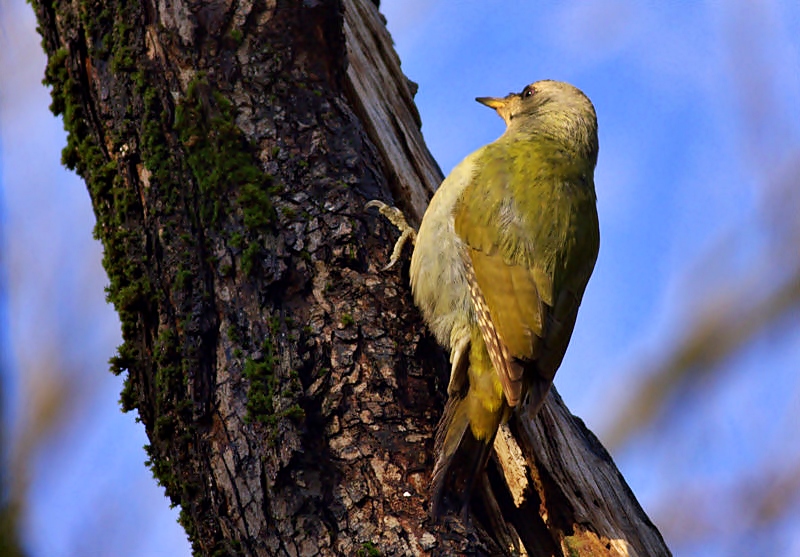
(288, 387)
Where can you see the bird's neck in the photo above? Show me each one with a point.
(573, 134)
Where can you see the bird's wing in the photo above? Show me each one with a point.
(528, 278)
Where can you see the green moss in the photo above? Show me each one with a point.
(251, 258)
(162, 471)
(295, 412)
(128, 399)
(368, 549)
(185, 520)
(220, 158)
(57, 76)
(260, 375)
(236, 240)
(165, 426)
(236, 35)
(123, 361)
(262, 391)
(182, 279)
(170, 373)
(125, 358)
(258, 211)
(348, 319)
(123, 57)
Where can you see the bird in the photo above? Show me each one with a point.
(500, 264)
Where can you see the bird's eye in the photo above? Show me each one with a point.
(527, 92)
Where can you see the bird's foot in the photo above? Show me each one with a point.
(397, 218)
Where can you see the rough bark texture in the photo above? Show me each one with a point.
(288, 389)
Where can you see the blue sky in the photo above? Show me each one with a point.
(699, 112)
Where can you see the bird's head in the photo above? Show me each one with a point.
(552, 107)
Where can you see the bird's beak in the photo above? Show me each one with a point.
(492, 102)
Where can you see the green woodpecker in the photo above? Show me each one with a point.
(500, 264)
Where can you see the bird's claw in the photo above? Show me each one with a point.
(398, 219)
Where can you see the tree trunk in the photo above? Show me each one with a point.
(288, 387)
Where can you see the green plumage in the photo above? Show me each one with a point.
(529, 221)
(500, 265)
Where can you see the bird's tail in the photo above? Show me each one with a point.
(460, 458)
(466, 433)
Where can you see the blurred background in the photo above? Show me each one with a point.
(686, 355)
